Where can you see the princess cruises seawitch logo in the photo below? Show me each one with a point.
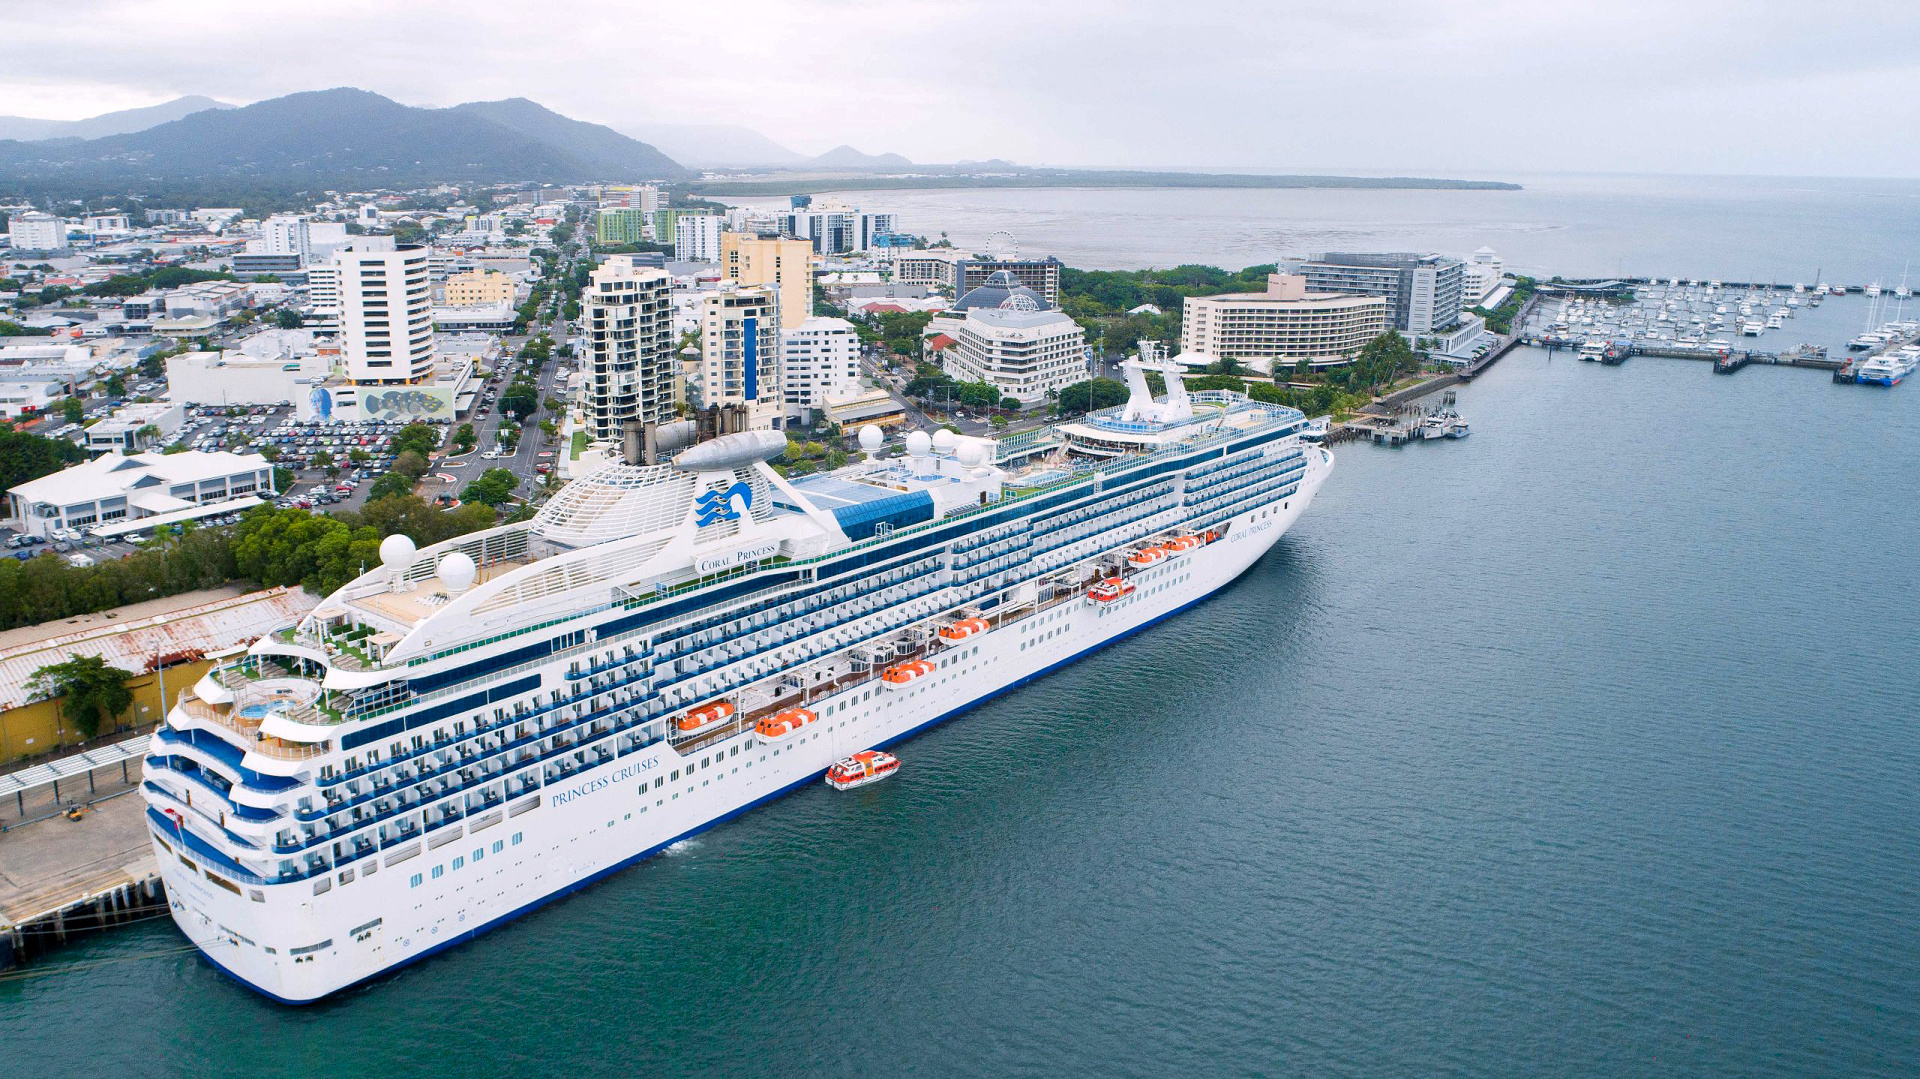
(723, 504)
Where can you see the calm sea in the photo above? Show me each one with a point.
(1585, 746)
(1732, 228)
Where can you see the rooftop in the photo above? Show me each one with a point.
(113, 474)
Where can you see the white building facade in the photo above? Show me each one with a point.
(113, 489)
(627, 317)
(818, 358)
(386, 315)
(740, 352)
(1021, 354)
(696, 237)
(35, 231)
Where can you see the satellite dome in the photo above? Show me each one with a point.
(918, 444)
(973, 454)
(870, 438)
(396, 551)
(457, 571)
(944, 441)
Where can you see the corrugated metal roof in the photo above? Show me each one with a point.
(45, 775)
(132, 646)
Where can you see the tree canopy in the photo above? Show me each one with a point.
(26, 456)
(90, 690)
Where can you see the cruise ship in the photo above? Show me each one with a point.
(470, 730)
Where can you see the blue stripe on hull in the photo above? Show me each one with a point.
(559, 893)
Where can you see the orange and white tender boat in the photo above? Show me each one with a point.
(864, 767)
(703, 717)
(1147, 556)
(1109, 590)
(963, 629)
(906, 673)
(785, 725)
(1183, 543)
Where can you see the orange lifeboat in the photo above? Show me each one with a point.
(964, 628)
(702, 717)
(785, 725)
(905, 673)
(864, 767)
(1184, 543)
(1147, 556)
(1109, 590)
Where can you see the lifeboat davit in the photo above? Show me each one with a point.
(906, 672)
(785, 725)
(964, 628)
(864, 767)
(703, 717)
(1147, 556)
(1109, 590)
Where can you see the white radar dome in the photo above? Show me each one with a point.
(918, 444)
(396, 551)
(944, 441)
(973, 454)
(870, 438)
(457, 571)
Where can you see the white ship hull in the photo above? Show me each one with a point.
(601, 820)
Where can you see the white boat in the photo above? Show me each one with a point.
(1751, 328)
(1888, 369)
(470, 730)
(861, 769)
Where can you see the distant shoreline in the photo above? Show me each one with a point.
(815, 184)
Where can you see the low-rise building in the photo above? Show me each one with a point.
(1281, 326)
(479, 288)
(126, 493)
(272, 367)
(1482, 275)
(136, 427)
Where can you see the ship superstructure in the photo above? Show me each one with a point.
(469, 730)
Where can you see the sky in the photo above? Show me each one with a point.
(1766, 87)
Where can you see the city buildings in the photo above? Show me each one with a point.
(629, 362)
(819, 358)
(837, 229)
(1279, 327)
(1482, 275)
(666, 222)
(386, 315)
(1021, 352)
(139, 491)
(932, 268)
(284, 234)
(35, 231)
(739, 352)
(479, 288)
(1423, 292)
(1040, 275)
(617, 225)
(696, 237)
(784, 263)
(273, 367)
(138, 426)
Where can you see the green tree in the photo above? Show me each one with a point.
(287, 319)
(391, 484)
(418, 437)
(26, 457)
(359, 456)
(321, 459)
(90, 691)
(411, 464)
(494, 486)
(72, 410)
(1090, 396)
(464, 438)
(283, 479)
(549, 429)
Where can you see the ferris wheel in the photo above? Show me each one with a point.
(1001, 245)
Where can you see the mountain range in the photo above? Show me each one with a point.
(348, 137)
(123, 122)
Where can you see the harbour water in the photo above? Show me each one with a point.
(1757, 229)
(1582, 746)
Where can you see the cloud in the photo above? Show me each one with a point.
(1631, 85)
